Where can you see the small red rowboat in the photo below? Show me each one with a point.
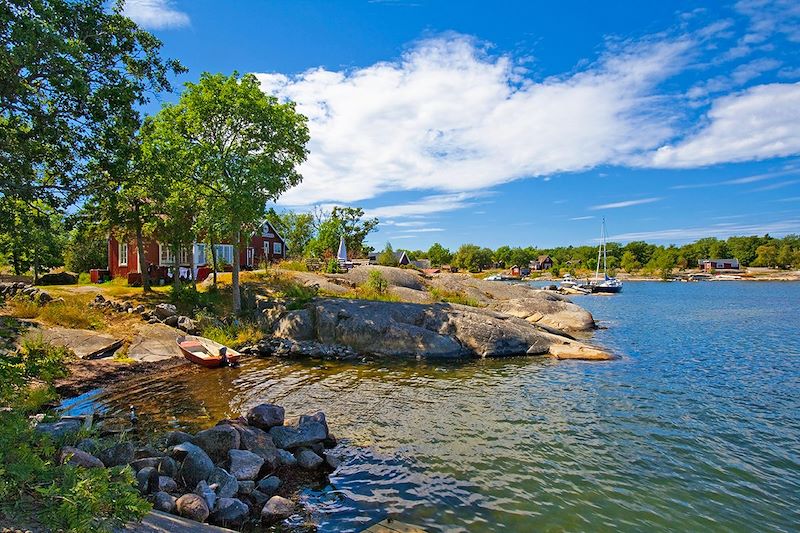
(206, 352)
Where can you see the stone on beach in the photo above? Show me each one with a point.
(196, 465)
(118, 454)
(286, 458)
(269, 485)
(148, 480)
(302, 435)
(167, 484)
(277, 508)
(227, 485)
(178, 437)
(164, 502)
(244, 465)
(75, 457)
(218, 441)
(193, 507)
(309, 460)
(259, 442)
(207, 493)
(265, 416)
(230, 512)
(163, 311)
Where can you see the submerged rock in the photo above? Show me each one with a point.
(193, 507)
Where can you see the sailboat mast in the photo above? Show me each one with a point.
(599, 251)
(605, 250)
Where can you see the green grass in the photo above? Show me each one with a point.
(23, 308)
(72, 313)
(297, 266)
(234, 335)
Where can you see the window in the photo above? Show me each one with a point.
(185, 255)
(277, 248)
(199, 254)
(224, 253)
(267, 230)
(165, 255)
(123, 254)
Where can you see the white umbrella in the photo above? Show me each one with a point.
(342, 253)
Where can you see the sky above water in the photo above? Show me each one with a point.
(523, 123)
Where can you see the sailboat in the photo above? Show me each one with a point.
(606, 283)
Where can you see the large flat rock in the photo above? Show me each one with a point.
(154, 342)
(86, 344)
(158, 522)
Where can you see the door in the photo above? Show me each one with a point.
(251, 256)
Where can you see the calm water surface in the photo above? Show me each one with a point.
(697, 427)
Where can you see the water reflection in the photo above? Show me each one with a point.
(696, 428)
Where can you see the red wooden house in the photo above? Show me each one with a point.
(123, 258)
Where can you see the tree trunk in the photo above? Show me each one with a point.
(191, 268)
(176, 271)
(213, 260)
(144, 267)
(237, 297)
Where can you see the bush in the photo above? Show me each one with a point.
(332, 266)
(36, 359)
(376, 282)
(23, 307)
(441, 295)
(72, 313)
(297, 266)
(189, 300)
(84, 278)
(236, 334)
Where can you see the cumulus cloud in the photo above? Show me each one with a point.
(756, 124)
(449, 117)
(155, 14)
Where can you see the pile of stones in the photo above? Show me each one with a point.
(24, 290)
(283, 347)
(162, 313)
(231, 474)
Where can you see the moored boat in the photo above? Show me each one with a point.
(606, 284)
(206, 352)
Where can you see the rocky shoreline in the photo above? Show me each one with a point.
(241, 472)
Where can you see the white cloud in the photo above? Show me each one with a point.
(782, 227)
(449, 117)
(626, 203)
(583, 218)
(426, 205)
(756, 124)
(155, 14)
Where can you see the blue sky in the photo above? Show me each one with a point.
(523, 123)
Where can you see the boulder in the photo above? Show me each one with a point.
(171, 321)
(217, 441)
(259, 442)
(196, 465)
(76, 457)
(258, 499)
(227, 485)
(332, 461)
(246, 487)
(297, 325)
(59, 278)
(230, 512)
(164, 311)
(89, 446)
(265, 416)
(118, 454)
(167, 484)
(577, 350)
(145, 462)
(277, 509)
(178, 437)
(244, 465)
(309, 460)
(147, 479)
(286, 458)
(318, 417)
(167, 467)
(193, 507)
(207, 493)
(269, 485)
(291, 437)
(59, 430)
(186, 324)
(146, 451)
(166, 503)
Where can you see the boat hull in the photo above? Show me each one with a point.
(613, 289)
(205, 352)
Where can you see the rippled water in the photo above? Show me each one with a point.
(697, 427)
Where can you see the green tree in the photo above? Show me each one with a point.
(387, 257)
(296, 228)
(354, 227)
(629, 263)
(86, 244)
(439, 255)
(73, 73)
(32, 236)
(766, 255)
(785, 257)
(472, 257)
(326, 242)
(245, 148)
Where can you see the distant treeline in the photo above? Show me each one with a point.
(635, 256)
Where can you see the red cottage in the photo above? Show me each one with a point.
(123, 258)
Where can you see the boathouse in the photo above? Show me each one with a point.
(719, 264)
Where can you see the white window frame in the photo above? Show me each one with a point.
(277, 248)
(185, 256)
(120, 247)
(224, 252)
(165, 259)
(199, 254)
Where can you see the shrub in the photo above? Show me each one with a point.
(36, 359)
(23, 307)
(72, 313)
(189, 300)
(376, 282)
(236, 334)
(297, 266)
(332, 266)
(441, 295)
(84, 278)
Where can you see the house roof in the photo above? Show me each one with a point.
(543, 258)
